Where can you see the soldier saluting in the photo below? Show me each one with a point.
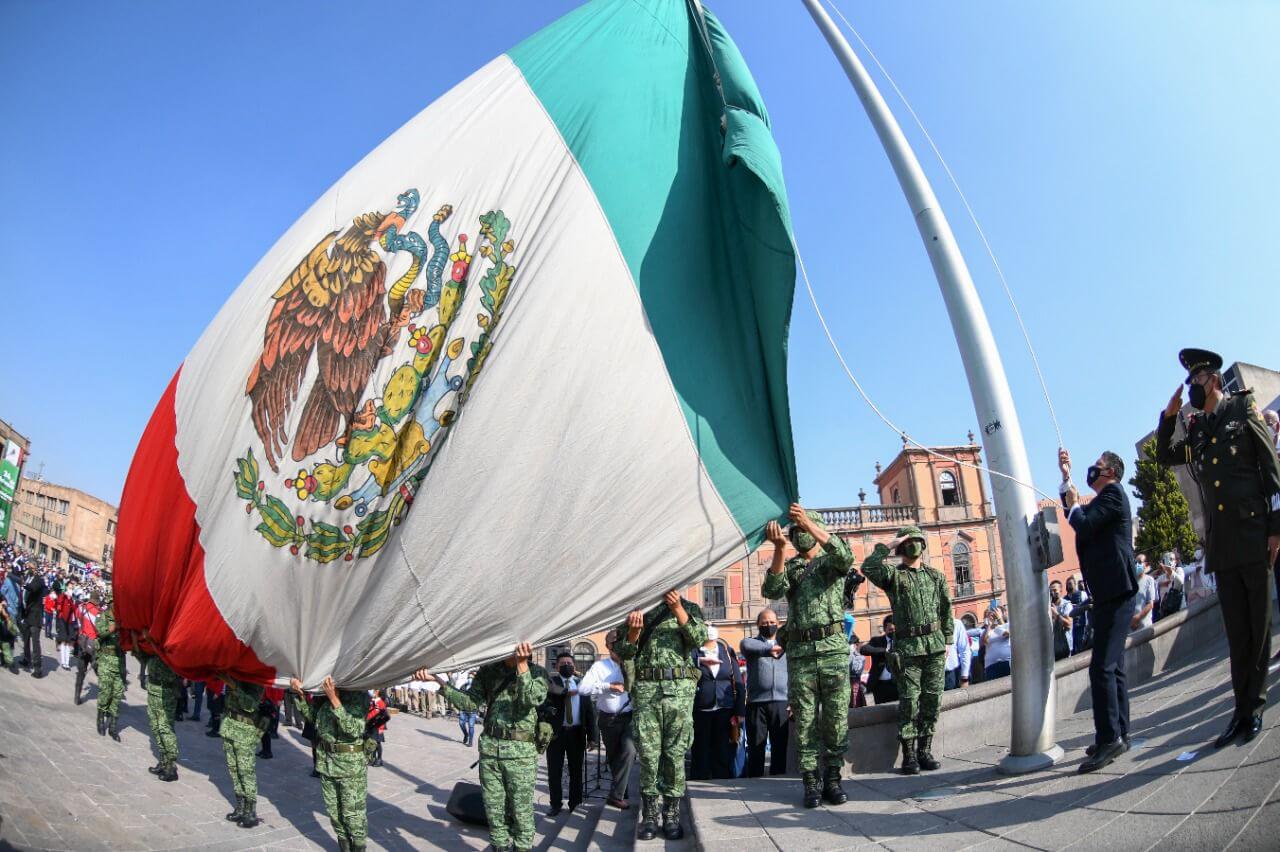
(1230, 454)
(817, 652)
(921, 601)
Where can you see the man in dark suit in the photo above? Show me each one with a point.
(1232, 456)
(880, 681)
(1104, 545)
(573, 718)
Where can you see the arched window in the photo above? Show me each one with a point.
(950, 491)
(964, 574)
(584, 656)
(896, 499)
(970, 620)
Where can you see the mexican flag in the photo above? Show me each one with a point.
(521, 369)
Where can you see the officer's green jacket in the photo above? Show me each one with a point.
(343, 725)
(668, 647)
(1232, 456)
(920, 597)
(105, 625)
(160, 674)
(815, 598)
(243, 698)
(514, 708)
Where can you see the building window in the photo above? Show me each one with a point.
(584, 656)
(897, 499)
(56, 556)
(713, 600)
(964, 573)
(111, 527)
(950, 492)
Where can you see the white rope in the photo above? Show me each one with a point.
(906, 439)
(968, 208)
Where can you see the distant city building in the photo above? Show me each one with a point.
(63, 524)
(937, 490)
(14, 449)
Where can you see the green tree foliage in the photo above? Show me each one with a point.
(1164, 519)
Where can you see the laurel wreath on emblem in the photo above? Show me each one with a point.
(334, 308)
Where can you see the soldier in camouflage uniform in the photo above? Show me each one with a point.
(921, 601)
(240, 737)
(656, 648)
(8, 632)
(107, 665)
(817, 652)
(340, 759)
(162, 698)
(510, 690)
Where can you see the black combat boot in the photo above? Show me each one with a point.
(79, 687)
(671, 828)
(170, 772)
(924, 754)
(648, 828)
(158, 768)
(831, 789)
(102, 724)
(235, 815)
(909, 764)
(344, 845)
(249, 819)
(812, 789)
(113, 727)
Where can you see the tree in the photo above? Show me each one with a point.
(1164, 519)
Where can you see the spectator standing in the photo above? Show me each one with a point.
(1081, 632)
(11, 592)
(375, 726)
(719, 706)
(461, 680)
(997, 650)
(50, 609)
(605, 682)
(33, 599)
(572, 720)
(767, 717)
(1060, 618)
(1145, 604)
(880, 680)
(1170, 584)
(959, 658)
(1104, 546)
(64, 607)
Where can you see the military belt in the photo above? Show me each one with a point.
(919, 630)
(669, 673)
(494, 732)
(340, 748)
(813, 634)
(241, 716)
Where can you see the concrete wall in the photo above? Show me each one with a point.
(980, 715)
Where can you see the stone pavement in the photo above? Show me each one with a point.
(1173, 790)
(64, 787)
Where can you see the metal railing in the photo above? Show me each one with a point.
(846, 517)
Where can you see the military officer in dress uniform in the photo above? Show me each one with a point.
(1231, 456)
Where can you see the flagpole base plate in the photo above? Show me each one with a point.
(1021, 764)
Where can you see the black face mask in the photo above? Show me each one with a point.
(1197, 396)
(566, 671)
(1094, 474)
(768, 630)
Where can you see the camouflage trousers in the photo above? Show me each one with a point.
(507, 783)
(818, 688)
(344, 799)
(161, 709)
(239, 745)
(110, 684)
(662, 725)
(920, 680)
(6, 652)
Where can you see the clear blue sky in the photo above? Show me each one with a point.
(1122, 157)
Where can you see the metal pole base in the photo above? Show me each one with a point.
(1021, 764)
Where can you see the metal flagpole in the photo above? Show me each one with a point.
(1032, 743)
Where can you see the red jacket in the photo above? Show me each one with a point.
(64, 606)
(375, 705)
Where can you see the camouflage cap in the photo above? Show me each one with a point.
(910, 531)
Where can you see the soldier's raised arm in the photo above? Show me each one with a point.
(1167, 452)
(873, 567)
(776, 583)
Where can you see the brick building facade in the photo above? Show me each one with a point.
(63, 524)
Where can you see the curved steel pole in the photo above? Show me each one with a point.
(1032, 743)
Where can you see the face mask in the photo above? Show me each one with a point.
(566, 671)
(1199, 555)
(913, 548)
(1094, 474)
(768, 630)
(1197, 396)
(802, 541)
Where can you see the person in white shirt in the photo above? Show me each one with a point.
(1146, 601)
(959, 659)
(1170, 585)
(605, 683)
(995, 638)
